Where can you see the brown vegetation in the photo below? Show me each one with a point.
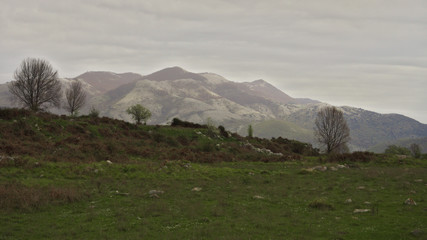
(18, 196)
(55, 138)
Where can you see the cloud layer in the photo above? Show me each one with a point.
(370, 54)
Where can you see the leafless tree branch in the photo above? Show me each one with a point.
(36, 85)
(75, 97)
(331, 128)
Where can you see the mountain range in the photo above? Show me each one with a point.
(197, 97)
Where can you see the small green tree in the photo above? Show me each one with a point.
(94, 113)
(139, 113)
(415, 150)
(250, 131)
(212, 130)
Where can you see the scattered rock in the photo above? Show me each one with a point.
(196, 189)
(367, 203)
(348, 200)
(361, 210)
(258, 197)
(418, 180)
(262, 150)
(155, 193)
(109, 162)
(306, 171)
(251, 173)
(333, 168)
(320, 168)
(410, 201)
(96, 170)
(361, 187)
(342, 166)
(122, 194)
(417, 232)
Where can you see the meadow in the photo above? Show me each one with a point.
(145, 190)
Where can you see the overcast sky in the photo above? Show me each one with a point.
(363, 53)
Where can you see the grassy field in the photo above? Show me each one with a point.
(240, 200)
(98, 178)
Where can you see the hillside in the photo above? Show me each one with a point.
(91, 139)
(196, 97)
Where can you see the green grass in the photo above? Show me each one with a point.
(113, 202)
(56, 183)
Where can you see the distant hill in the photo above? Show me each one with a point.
(196, 97)
(406, 142)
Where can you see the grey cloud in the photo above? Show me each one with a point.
(364, 53)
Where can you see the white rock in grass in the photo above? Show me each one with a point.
(258, 197)
(155, 193)
(109, 162)
(348, 200)
(320, 168)
(361, 210)
(333, 168)
(196, 189)
(410, 201)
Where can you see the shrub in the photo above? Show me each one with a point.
(352, 157)
(393, 149)
(13, 113)
(94, 113)
(250, 131)
(321, 204)
(176, 122)
(223, 132)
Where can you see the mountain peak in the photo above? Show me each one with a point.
(104, 81)
(174, 73)
(260, 83)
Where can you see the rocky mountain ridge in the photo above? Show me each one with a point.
(196, 97)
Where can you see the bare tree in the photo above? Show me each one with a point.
(331, 129)
(415, 150)
(36, 85)
(75, 96)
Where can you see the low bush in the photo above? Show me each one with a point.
(176, 122)
(352, 157)
(321, 204)
(13, 113)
